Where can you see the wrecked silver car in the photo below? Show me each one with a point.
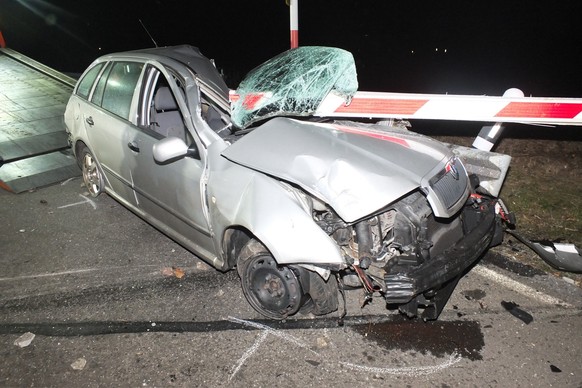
(302, 206)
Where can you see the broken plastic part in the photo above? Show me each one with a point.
(565, 257)
(517, 312)
(294, 83)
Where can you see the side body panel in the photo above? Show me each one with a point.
(270, 210)
(171, 194)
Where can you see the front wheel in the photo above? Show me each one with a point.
(271, 289)
(92, 175)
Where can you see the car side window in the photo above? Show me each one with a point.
(160, 114)
(97, 97)
(120, 87)
(84, 87)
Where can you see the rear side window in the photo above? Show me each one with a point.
(87, 81)
(120, 86)
(97, 97)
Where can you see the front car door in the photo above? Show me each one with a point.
(171, 195)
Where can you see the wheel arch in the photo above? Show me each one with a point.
(268, 211)
(233, 241)
(79, 145)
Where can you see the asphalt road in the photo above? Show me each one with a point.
(95, 285)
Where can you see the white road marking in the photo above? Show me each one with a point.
(67, 181)
(75, 271)
(250, 351)
(403, 371)
(280, 334)
(518, 287)
(411, 371)
(85, 201)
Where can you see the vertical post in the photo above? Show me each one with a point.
(294, 22)
(489, 135)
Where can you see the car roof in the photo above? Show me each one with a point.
(189, 56)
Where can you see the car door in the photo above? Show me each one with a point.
(172, 194)
(108, 123)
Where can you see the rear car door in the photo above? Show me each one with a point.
(108, 122)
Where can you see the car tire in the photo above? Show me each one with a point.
(271, 289)
(323, 295)
(92, 174)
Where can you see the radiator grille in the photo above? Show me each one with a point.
(451, 186)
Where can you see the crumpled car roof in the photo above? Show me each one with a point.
(195, 60)
(294, 83)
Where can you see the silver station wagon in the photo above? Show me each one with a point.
(302, 206)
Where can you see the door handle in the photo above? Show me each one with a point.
(90, 121)
(133, 146)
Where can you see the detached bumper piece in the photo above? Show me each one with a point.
(563, 257)
(426, 282)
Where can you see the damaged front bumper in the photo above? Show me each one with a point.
(429, 285)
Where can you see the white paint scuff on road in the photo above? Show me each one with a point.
(250, 351)
(84, 202)
(518, 287)
(277, 333)
(411, 371)
(77, 271)
(67, 181)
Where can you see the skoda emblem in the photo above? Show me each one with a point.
(452, 169)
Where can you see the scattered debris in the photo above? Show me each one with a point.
(173, 272)
(564, 257)
(517, 312)
(178, 272)
(321, 342)
(555, 369)
(201, 266)
(43, 201)
(474, 294)
(167, 271)
(24, 340)
(79, 364)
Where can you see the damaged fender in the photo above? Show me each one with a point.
(291, 237)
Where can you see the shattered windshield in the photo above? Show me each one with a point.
(294, 83)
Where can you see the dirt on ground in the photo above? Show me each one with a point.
(542, 189)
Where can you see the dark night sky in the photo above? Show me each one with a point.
(490, 45)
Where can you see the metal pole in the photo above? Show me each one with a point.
(294, 22)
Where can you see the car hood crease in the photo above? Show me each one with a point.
(356, 169)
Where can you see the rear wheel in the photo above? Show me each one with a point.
(271, 289)
(92, 175)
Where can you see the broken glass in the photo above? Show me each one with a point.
(294, 83)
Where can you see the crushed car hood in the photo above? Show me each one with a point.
(356, 169)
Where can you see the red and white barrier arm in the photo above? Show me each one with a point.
(506, 109)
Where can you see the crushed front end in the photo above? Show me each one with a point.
(410, 256)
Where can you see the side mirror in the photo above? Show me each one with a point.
(171, 149)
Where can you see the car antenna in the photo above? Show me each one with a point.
(147, 32)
